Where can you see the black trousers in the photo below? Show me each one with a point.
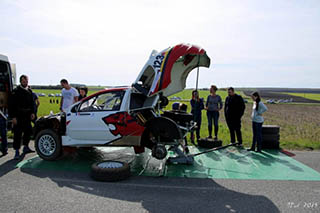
(24, 128)
(234, 126)
(198, 120)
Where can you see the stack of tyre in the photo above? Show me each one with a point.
(270, 137)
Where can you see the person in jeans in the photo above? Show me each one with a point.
(233, 110)
(257, 120)
(213, 106)
(196, 107)
(3, 128)
(21, 110)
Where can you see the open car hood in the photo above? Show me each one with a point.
(167, 71)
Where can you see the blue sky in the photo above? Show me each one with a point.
(250, 43)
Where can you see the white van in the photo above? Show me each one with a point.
(6, 82)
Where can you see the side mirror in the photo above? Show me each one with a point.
(76, 108)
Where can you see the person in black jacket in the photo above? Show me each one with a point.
(233, 109)
(196, 107)
(22, 111)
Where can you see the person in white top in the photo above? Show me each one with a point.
(69, 95)
(257, 120)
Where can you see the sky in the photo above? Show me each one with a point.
(271, 43)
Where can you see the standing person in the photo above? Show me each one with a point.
(257, 120)
(213, 106)
(69, 95)
(196, 107)
(83, 92)
(21, 110)
(3, 127)
(36, 103)
(234, 109)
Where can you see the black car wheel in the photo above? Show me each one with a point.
(48, 144)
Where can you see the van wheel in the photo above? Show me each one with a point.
(48, 145)
(110, 171)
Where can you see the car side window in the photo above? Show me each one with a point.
(110, 101)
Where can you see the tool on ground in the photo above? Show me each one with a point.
(183, 158)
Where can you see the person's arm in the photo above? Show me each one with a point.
(201, 104)
(32, 105)
(37, 102)
(220, 103)
(12, 108)
(262, 108)
(242, 106)
(76, 96)
(207, 103)
(191, 103)
(225, 104)
(61, 103)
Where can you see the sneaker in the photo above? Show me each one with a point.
(250, 149)
(210, 136)
(215, 138)
(259, 151)
(17, 155)
(27, 150)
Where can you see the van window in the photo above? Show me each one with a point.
(4, 77)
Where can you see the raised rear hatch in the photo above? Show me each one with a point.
(167, 71)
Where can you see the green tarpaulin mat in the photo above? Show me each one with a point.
(229, 163)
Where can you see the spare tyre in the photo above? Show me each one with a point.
(271, 138)
(110, 171)
(209, 143)
(270, 129)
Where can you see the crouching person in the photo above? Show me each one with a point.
(21, 110)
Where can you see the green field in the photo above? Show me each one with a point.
(45, 105)
(300, 124)
(311, 96)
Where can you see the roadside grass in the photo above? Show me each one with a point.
(299, 124)
(311, 96)
(45, 105)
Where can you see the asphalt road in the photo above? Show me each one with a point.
(31, 190)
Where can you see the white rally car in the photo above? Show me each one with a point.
(127, 116)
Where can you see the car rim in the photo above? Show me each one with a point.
(47, 145)
(110, 165)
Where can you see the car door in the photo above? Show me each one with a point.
(167, 71)
(87, 122)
